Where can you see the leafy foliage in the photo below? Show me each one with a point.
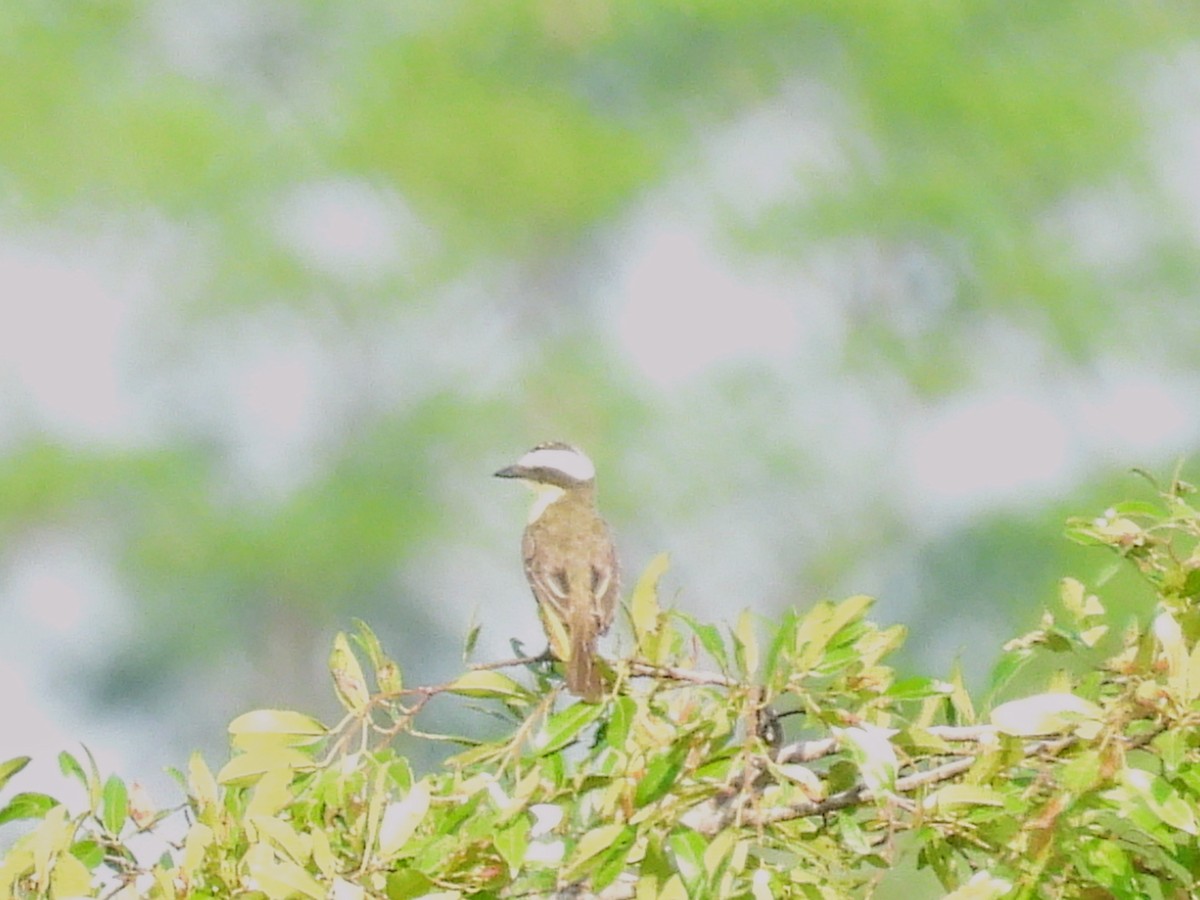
(759, 761)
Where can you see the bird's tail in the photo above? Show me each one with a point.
(583, 677)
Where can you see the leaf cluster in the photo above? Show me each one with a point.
(783, 759)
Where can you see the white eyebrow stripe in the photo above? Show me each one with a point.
(572, 463)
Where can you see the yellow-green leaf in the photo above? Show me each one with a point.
(272, 793)
(246, 768)
(808, 780)
(388, 678)
(1048, 713)
(199, 838)
(70, 878)
(401, 820)
(719, 848)
(348, 680)
(1193, 674)
(283, 722)
(283, 836)
(962, 795)
(322, 853)
(281, 879)
(486, 683)
(643, 605)
(201, 784)
(1174, 652)
(674, 889)
(51, 838)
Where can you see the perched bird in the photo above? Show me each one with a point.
(570, 559)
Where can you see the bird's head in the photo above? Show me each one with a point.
(550, 470)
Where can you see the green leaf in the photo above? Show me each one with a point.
(368, 643)
(1007, 667)
(660, 775)
(387, 674)
(472, 638)
(819, 626)
(95, 784)
(512, 841)
(620, 721)
(710, 639)
(612, 862)
(851, 836)
(11, 767)
(116, 805)
(563, 727)
(89, 852)
(400, 774)
(69, 766)
(592, 843)
(407, 884)
(746, 644)
(27, 806)
(1162, 800)
(1191, 584)
(689, 847)
(918, 688)
(782, 643)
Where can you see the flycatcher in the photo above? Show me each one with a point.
(570, 559)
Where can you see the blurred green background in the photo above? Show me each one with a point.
(842, 297)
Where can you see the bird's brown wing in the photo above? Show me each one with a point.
(552, 591)
(606, 583)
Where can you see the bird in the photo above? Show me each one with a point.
(570, 559)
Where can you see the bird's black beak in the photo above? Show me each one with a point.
(509, 472)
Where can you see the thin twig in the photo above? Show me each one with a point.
(674, 673)
(508, 663)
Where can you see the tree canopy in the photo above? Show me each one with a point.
(764, 760)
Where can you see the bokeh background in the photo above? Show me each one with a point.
(842, 298)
